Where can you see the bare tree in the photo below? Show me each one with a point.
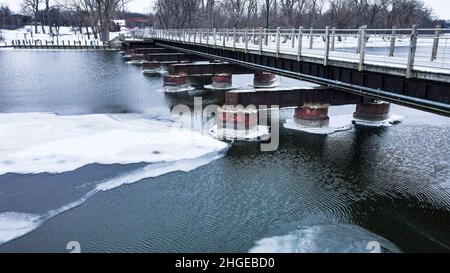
(33, 7)
(48, 16)
(98, 14)
(292, 13)
(178, 13)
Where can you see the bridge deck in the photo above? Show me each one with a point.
(405, 75)
(427, 52)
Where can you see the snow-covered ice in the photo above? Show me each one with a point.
(392, 120)
(337, 124)
(14, 224)
(43, 142)
(260, 133)
(39, 142)
(327, 238)
(342, 123)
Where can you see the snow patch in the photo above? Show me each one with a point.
(158, 169)
(37, 142)
(13, 225)
(337, 124)
(392, 120)
(260, 133)
(332, 238)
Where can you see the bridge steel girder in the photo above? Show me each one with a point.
(290, 97)
(139, 44)
(212, 68)
(424, 94)
(162, 57)
(154, 50)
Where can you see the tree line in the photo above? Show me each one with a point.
(92, 17)
(293, 13)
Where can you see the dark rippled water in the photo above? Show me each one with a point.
(391, 181)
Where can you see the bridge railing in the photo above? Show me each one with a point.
(412, 49)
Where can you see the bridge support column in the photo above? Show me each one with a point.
(264, 80)
(173, 83)
(314, 115)
(222, 80)
(233, 118)
(151, 65)
(136, 57)
(127, 51)
(373, 111)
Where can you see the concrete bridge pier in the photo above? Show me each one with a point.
(235, 119)
(262, 79)
(134, 57)
(176, 83)
(151, 65)
(313, 115)
(221, 81)
(373, 111)
(239, 123)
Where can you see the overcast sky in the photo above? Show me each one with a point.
(440, 7)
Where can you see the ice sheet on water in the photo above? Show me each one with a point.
(331, 238)
(158, 169)
(337, 124)
(13, 225)
(392, 120)
(38, 142)
(342, 123)
(260, 133)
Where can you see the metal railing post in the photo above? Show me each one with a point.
(246, 39)
(234, 39)
(412, 52)
(278, 41)
(214, 38)
(327, 46)
(358, 47)
(362, 49)
(225, 38)
(393, 38)
(254, 36)
(300, 43)
(434, 51)
(311, 38)
(207, 37)
(293, 38)
(260, 40)
(333, 38)
(266, 37)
